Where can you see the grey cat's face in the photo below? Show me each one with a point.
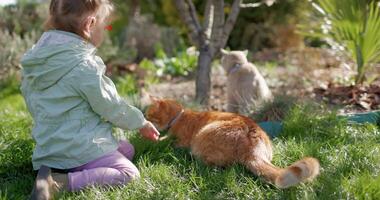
(231, 58)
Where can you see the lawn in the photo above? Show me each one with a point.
(349, 156)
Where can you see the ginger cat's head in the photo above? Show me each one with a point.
(162, 111)
(231, 59)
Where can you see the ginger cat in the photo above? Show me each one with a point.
(222, 139)
(246, 87)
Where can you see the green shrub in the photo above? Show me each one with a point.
(256, 28)
(126, 85)
(352, 27)
(269, 27)
(23, 17)
(20, 26)
(277, 110)
(180, 65)
(12, 47)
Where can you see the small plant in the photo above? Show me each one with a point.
(352, 26)
(126, 85)
(180, 65)
(277, 110)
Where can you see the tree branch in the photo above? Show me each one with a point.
(189, 16)
(195, 20)
(255, 5)
(250, 5)
(269, 2)
(231, 20)
(209, 19)
(218, 27)
(194, 15)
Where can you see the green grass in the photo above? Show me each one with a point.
(349, 156)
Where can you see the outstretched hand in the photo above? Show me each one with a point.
(149, 132)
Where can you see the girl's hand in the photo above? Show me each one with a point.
(148, 131)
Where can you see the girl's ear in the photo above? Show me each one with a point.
(223, 51)
(89, 23)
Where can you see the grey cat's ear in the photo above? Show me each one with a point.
(154, 98)
(147, 99)
(223, 51)
(245, 52)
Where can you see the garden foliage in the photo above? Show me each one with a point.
(353, 27)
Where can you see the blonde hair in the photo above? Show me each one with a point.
(67, 15)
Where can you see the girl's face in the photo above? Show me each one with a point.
(97, 33)
(95, 30)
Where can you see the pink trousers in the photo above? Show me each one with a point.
(114, 168)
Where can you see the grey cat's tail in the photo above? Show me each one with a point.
(300, 171)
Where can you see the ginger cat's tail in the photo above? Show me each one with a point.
(302, 170)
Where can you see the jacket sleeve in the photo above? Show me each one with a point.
(101, 93)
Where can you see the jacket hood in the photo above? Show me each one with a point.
(52, 57)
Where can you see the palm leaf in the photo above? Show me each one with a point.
(371, 36)
(354, 24)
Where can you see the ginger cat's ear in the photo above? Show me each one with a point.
(245, 52)
(223, 51)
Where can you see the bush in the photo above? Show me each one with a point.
(110, 51)
(12, 47)
(180, 65)
(126, 85)
(142, 34)
(20, 27)
(24, 17)
(256, 28)
(352, 27)
(269, 27)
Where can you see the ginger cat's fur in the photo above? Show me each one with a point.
(222, 139)
(246, 87)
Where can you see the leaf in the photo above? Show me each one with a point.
(354, 24)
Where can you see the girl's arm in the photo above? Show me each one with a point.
(103, 98)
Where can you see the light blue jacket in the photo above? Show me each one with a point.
(72, 102)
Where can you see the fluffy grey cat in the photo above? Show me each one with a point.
(246, 87)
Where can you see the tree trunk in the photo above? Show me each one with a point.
(203, 82)
(135, 9)
(208, 39)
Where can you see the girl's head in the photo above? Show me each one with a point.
(86, 18)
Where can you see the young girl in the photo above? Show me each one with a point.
(73, 104)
